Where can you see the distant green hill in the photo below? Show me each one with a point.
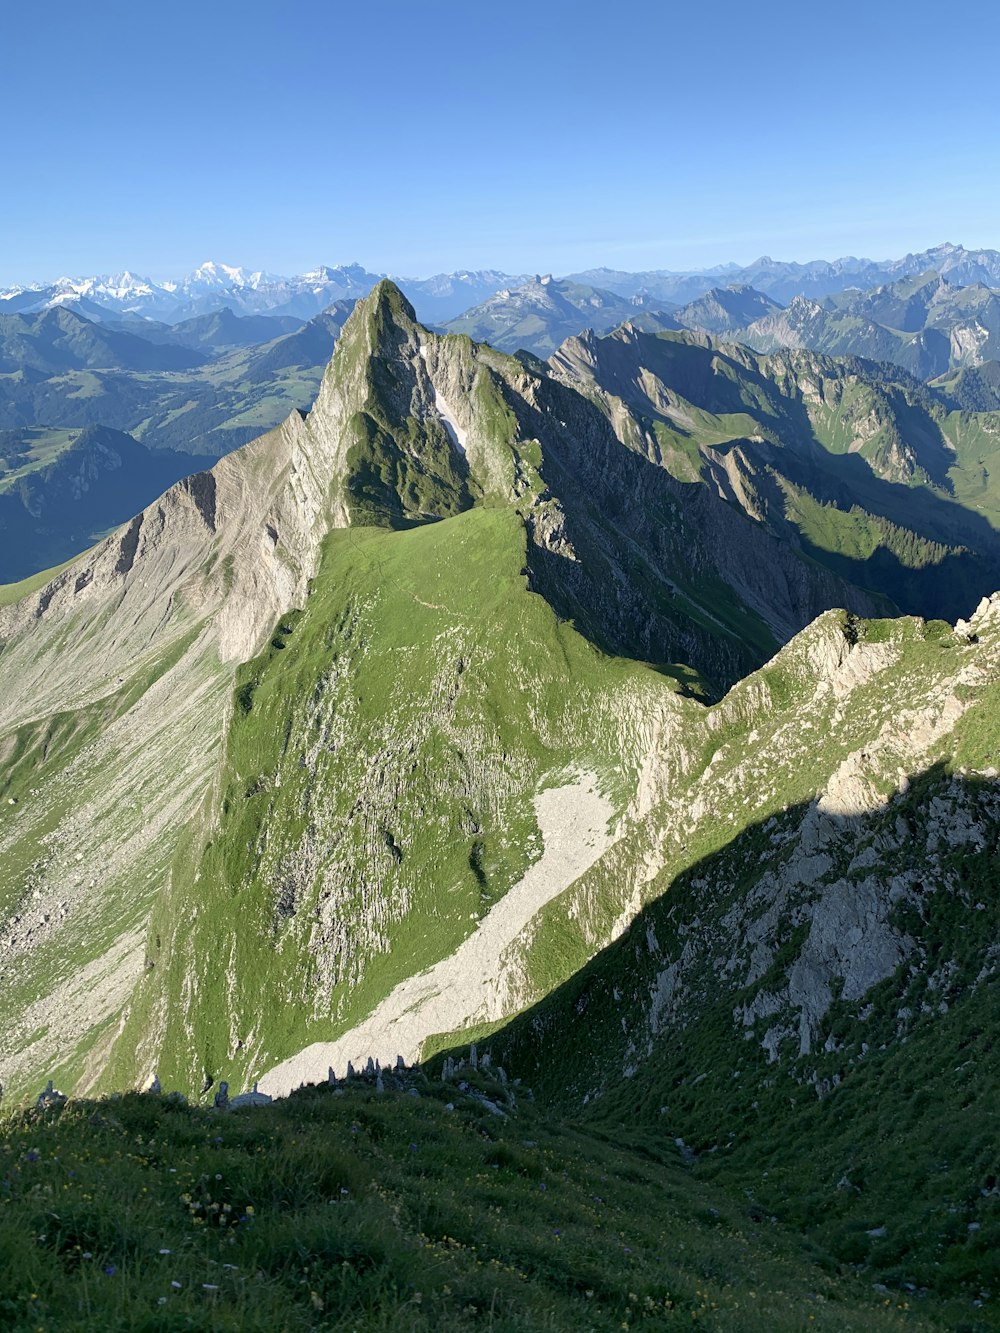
(971, 389)
(59, 340)
(214, 406)
(219, 331)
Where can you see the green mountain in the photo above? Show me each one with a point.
(59, 340)
(539, 315)
(216, 332)
(971, 389)
(511, 703)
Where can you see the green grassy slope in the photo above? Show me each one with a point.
(348, 1209)
(376, 795)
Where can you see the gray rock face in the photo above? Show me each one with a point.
(850, 941)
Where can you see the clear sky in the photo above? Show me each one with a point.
(416, 136)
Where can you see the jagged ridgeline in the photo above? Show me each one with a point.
(294, 760)
(855, 464)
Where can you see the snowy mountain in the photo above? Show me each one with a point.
(444, 296)
(213, 286)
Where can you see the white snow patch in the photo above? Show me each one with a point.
(467, 986)
(458, 436)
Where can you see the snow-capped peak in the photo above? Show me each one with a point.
(214, 275)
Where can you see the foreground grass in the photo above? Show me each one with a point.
(352, 1209)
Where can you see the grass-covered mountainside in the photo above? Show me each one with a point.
(512, 702)
(423, 1207)
(971, 388)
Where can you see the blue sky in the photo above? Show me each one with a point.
(545, 136)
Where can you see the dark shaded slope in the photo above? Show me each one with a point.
(847, 460)
(809, 999)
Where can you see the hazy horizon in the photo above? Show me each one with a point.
(157, 275)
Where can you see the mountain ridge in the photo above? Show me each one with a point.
(389, 729)
(443, 296)
(193, 587)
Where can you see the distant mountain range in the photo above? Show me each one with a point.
(783, 280)
(926, 325)
(60, 339)
(445, 296)
(545, 311)
(213, 286)
(208, 383)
